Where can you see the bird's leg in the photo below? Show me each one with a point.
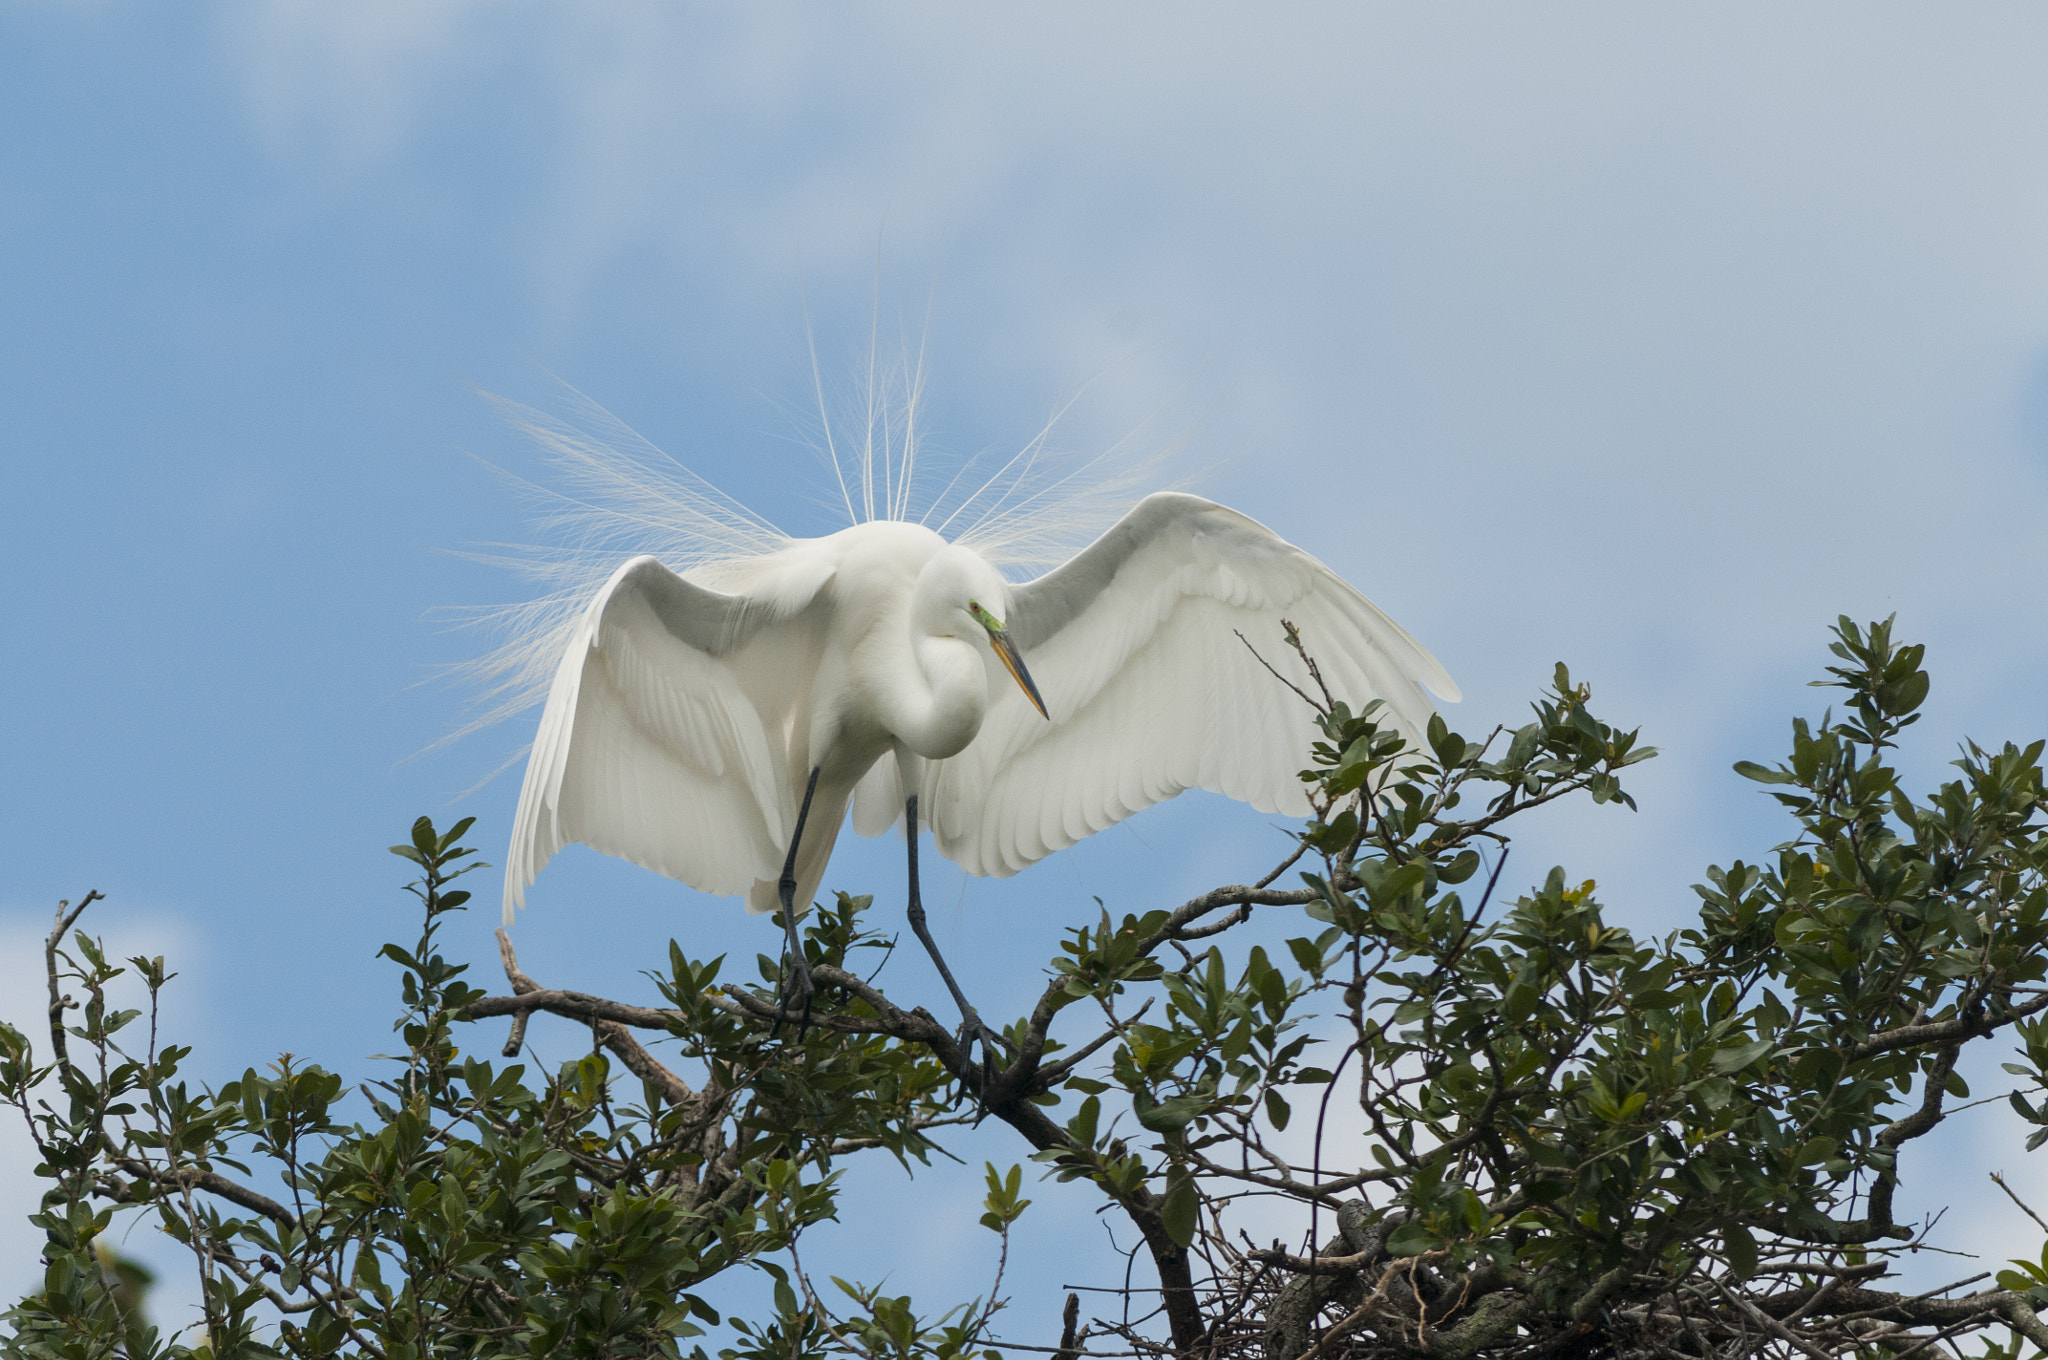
(799, 989)
(972, 1030)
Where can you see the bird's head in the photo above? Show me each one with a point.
(961, 583)
(1006, 652)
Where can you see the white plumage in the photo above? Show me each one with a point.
(684, 722)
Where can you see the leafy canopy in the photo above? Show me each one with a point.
(1578, 1140)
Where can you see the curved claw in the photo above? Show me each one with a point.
(973, 1032)
(797, 991)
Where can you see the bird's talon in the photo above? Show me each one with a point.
(797, 992)
(972, 1033)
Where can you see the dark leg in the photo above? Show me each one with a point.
(972, 1030)
(799, 990)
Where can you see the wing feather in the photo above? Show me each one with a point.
(1136, 648)
(665, 736)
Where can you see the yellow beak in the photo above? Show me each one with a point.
(1007, 652)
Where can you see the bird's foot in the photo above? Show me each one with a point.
(973, 1034)
(795, 1001)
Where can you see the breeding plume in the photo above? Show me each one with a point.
(717, 724)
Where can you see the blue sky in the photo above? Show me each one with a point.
(1644, 337)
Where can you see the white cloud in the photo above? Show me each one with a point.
(341, 87)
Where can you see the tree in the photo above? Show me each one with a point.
(1581, 1142)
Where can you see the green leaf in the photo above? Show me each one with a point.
(1002, 1203)
(1307, 955)
(1411, 1239)
(1459, 869)
(1749, 769)
(1741, 1055)
(1741, 1249)
(1170, 1116)
(1178, 1211)
(1081, 1128)
(1903, 696)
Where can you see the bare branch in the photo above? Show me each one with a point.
(58, 1001)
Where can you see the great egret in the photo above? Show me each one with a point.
(716, 729)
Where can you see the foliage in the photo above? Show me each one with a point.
(1578, 1141)
(469, 1213)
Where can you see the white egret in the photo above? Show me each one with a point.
(715, 726)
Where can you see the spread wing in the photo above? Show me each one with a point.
(665, 736)
(1135, 646)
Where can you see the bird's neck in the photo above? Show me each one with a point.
(940, 718)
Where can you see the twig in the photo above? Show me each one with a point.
(1364, 1310)
(521, 984)
(58, 1002)
(608, 1022)
(1772, 1325)
(191, 1178)
(1070, 1347)
(1277, 675)
(1999, 1181)
(1293, 634)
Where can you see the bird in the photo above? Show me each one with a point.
(716, 726)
